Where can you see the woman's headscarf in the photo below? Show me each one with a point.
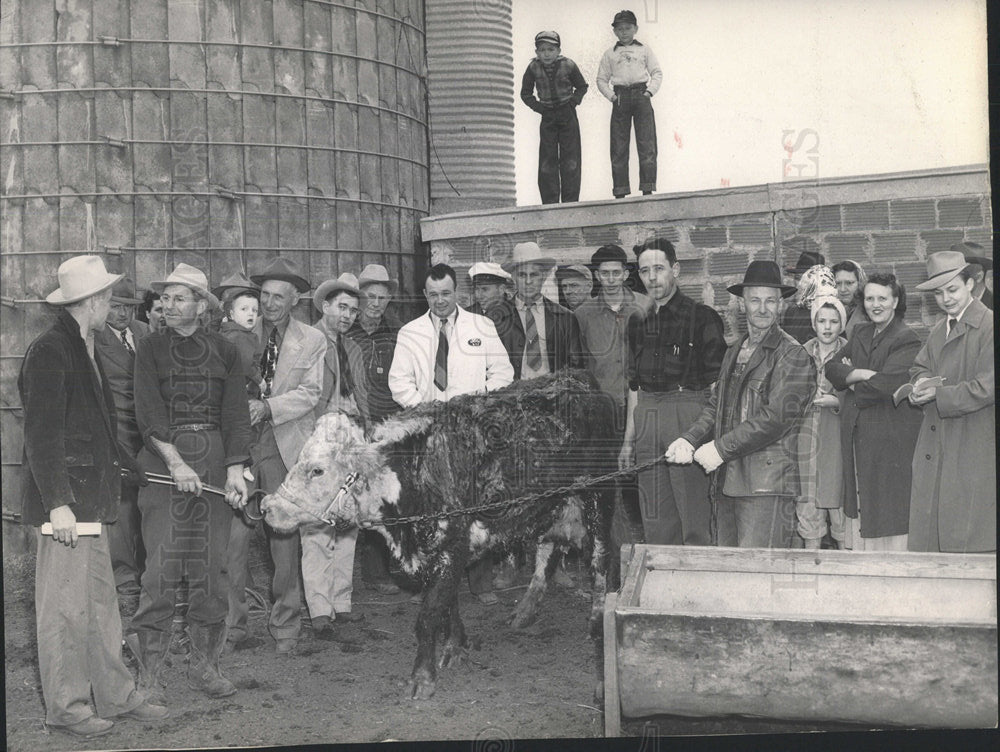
(828, 300)
(816, 282)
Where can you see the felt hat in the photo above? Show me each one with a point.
(942, 268)
(807, 260)
(79, 278)
(124, 292)
(973, 254)
(192, 278)
(573, 270)
(527, 253)
(376, 273)
(237, 281)
(488, 271)
(284, 269)
(762, 274)
(610, 252)
(624, 16)
(346, 282)
(547, 36)
(827, 300)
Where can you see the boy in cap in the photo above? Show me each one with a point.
(560, 88)
(629, 76)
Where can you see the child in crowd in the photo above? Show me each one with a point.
(629, 75)
(820, 465)
(560, 88)
(242, 310)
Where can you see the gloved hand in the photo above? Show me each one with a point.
(708, 457)
(680, 452)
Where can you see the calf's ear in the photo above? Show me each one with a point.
(394, 430)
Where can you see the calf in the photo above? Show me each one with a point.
(436, 460)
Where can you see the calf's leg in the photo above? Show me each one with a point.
(440, 592)
(527, 608)
(454, 651)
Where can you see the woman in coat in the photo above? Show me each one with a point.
(877, 438)
(954, 500)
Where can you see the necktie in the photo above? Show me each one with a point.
(532, 349)
(268, 361)
(125, 342)
(951, 325)
(441, 362)
(346, 383)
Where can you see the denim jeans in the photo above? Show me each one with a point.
(632, 106)
(559, 155)
(755, 521)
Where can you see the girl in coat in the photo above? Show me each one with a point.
(877, 439)
(954, 501)
(819, 508)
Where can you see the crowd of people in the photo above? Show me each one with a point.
(858, 436)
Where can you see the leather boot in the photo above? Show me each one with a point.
(150, 648)
(207, 641)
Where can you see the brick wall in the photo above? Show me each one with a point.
(887, 222)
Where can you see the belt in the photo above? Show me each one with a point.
(195, 427)
(669, 389)
(621, 87)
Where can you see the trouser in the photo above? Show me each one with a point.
(480, 575)
(756, 521)
(374, 555)
(125, 538)
(80, 632)
(633, 106)
(812, 520)
(559, 159)
(286, 591)
(327, 569)
(673, 499)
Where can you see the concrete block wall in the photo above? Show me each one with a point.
(886, 222)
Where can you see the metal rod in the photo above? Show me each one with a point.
(206, 249)
(230, 92)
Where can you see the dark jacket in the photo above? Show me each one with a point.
(882, 437)
(562, 335)
(377, 349)
(71, 451)
(758, 439)
(119, 367)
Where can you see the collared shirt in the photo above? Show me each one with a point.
(128, 335)
(602, 329)
(660, 346)
(337, 403)
(192, 379)
(626, 65)
(537, 311)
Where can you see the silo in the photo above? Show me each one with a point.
(215, 132)
(470, 61)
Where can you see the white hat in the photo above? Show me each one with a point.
(528, 253)
(827, 300)
(192, 278)
(489, 269)
(376, 273)
(346, 282)
(79, 278)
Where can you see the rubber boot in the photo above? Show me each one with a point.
(150, 648)
(207, 641)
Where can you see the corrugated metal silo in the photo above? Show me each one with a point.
(214, 132)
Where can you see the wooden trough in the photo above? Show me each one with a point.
(900, 639)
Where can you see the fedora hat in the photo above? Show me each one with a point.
(762, 274)
(124, 292)
(488, 271)
(807, 260)
(527, 253)
(376, 273)
(573, 270)
(284, 269)
(973, 254)
(235, 281)
(79, 278)
(346, 282)
(192, 278)
(942, 268)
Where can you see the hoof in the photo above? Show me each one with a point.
(422, 690)
(452, 656)
(519, 620)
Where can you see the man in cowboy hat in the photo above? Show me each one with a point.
(575, 284)
(191, 409)
(292, 371)
(540, 336)
(74, 465)
(749, 427)
(328, 555)
(489, 285)
(981, 270)
(797, 320)
(116, 344)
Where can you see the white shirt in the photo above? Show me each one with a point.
(128, 335)
(537, 312)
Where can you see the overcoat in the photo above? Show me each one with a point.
(71, 450)
(877, 439)
(119, 367)
(954, 497)
(820, 461)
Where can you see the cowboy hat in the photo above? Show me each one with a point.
(942, 268)
(376, 273)
(79, 278)
(807, 260)
(762, 274)
(235, 281)
(124, 292)
(284, 269)
(346, 282)
(527, 253)
(192, 278)
(488, 271)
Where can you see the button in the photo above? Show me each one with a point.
(933, 428)
(927, 456)
(115, 463)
